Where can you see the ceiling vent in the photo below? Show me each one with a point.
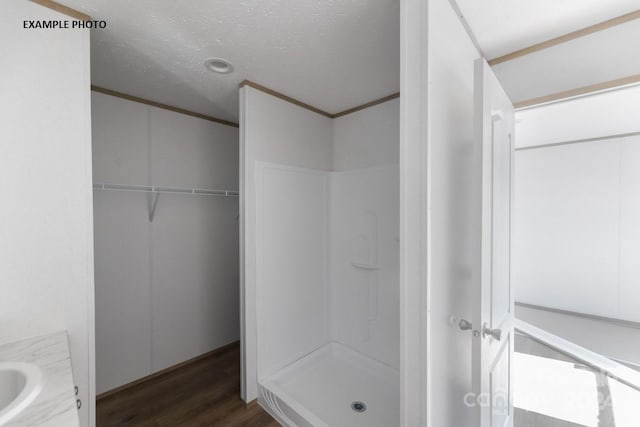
(218, 65)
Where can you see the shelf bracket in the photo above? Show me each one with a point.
(154, 204)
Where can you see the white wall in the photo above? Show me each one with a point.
(365, 306)
(195, 295)
(122, 243)
(167, 290)
(194, 239)
(629, 286)
(367, 138)
(451, 181)
(576, 208)
(291, 271)
(565, 248)
(123, 306)
(46, 231)
(271, 130)
(576, 231)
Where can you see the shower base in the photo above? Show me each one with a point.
(320, 389)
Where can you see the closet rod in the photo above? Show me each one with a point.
(171, 190)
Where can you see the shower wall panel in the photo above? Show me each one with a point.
(364, 267)
(291, 264)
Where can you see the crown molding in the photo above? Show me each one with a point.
(567, 37)
(163, 106)
(63, 9)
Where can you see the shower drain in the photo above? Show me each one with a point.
(358, 406)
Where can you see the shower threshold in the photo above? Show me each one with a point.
(325, 389)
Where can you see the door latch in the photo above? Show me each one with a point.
(465, 325)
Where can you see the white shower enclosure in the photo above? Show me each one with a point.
(321, 247)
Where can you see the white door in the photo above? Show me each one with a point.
(493, 297)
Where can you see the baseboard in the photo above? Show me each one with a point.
(166, 370)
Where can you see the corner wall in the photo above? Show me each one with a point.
(364, 227)
(367, 138)
(46, 220)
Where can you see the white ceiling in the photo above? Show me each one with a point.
(331, 54)
(504, 26)
(599, 57)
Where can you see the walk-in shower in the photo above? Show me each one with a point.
(320, 226)
(327, 295)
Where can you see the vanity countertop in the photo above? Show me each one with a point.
(56, 404)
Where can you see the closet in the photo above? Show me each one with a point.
(166, 238)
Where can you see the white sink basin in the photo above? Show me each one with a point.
(20, 384)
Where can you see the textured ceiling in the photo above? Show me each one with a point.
(332, 54)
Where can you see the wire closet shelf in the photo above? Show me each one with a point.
(157, 190)
(168, 190)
